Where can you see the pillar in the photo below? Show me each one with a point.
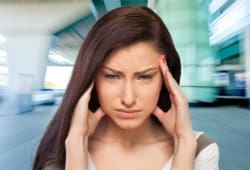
(27, 60)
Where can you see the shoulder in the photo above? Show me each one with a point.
(203, 141)
(207, 153)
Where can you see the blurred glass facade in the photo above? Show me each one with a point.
(229, 23)
(188, 24)
(211, 37)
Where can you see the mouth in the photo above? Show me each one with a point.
(124, 113)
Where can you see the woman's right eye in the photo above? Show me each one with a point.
(112, 76)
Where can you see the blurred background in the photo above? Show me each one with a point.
(40, 39)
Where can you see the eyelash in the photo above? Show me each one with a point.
(115, 77)
(145, 77)
(112, 76)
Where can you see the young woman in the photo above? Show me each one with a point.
(123, 108)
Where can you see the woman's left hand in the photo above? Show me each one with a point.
(176, 120)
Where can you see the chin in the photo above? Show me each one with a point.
(128, 124)
(128, 127)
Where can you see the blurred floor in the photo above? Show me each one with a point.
(227, 125)
(19, 136)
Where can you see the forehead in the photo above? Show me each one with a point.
(137, 55)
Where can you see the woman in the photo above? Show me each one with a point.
(123, 108)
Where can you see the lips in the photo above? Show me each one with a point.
(124, 113)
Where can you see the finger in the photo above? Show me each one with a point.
(177, 97)
(86, 95)
(82, 104)
(172, 100)
(170, 82)
(81, 110)
(167, 76)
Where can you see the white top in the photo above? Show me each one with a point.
(207, 159)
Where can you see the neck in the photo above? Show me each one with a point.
(147, 133)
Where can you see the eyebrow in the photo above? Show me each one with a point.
(138, 72)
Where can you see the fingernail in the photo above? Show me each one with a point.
(163, 58)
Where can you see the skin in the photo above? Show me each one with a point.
(131, 79)
(123, 83)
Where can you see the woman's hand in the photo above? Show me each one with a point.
(83, 124)
(177, 122)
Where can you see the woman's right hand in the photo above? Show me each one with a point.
(83, 124)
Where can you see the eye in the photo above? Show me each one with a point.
(112, 76)
(145, 77)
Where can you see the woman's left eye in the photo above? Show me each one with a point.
(145, 77)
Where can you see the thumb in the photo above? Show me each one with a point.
(99, 113)
(159, 114)
(94, 119)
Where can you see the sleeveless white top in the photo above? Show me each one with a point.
(91, 165)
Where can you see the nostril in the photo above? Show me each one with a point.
(128, 103)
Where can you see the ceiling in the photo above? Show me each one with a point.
(70, 38)
(67, 20)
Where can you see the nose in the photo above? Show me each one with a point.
(128, 96)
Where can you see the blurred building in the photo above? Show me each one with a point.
(229, 24)
(212, 38)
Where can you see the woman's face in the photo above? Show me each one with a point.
(129, 83)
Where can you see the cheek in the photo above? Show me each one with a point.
(106, 93)
(102, 92)
(150, 94)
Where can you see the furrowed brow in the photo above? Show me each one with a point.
(146, 70)
(113, 70)
(138, 72)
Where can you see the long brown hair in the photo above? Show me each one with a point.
(118, 28)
